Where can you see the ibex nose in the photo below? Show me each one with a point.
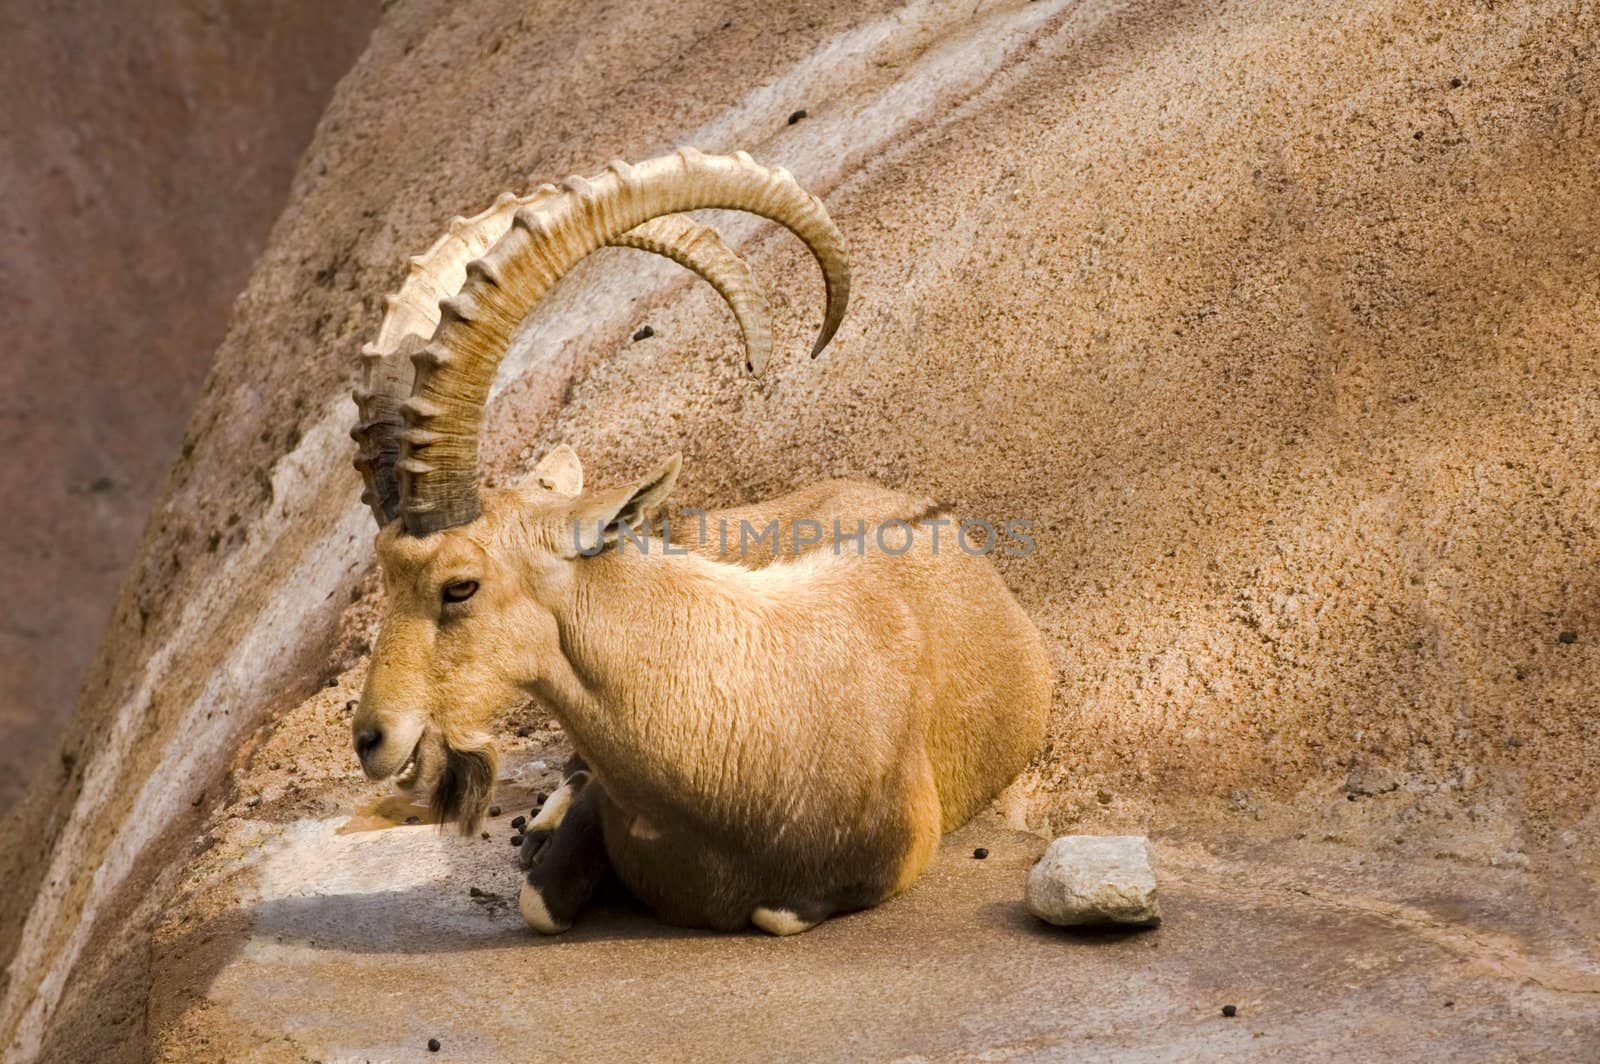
(368, 740)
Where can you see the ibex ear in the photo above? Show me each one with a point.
(559, 471)
(594, 521)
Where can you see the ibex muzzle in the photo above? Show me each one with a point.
(765, 737)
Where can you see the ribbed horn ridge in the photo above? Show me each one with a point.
(386, 380)
(438, 273)
(438, 463)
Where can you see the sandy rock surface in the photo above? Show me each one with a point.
(1278, 322)
(149, 147)
(1094, 879)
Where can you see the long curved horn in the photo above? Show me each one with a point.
(413, 314)
(439, 447)
(699, 248)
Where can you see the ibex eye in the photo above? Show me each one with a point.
(459, 591)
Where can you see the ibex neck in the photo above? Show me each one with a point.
(668, 658)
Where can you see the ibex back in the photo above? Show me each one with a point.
(765, 736)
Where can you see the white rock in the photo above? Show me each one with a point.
(1095, 879)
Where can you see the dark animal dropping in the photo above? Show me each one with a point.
(1230, 1010)
(980, 853)
(644, 333)
(1568, 637)
(797, 116)
(433, 1045)
(494, 810)
(518, 823)
(413, 820)
(516, 840)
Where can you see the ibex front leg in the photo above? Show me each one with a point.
(575, 777)
(565, 851)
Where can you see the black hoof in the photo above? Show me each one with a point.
(535, 845)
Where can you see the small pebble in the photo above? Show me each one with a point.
(980, 853)
(516, 840)
(433, 1045)
(797, 116)
(413, 820)
(1568, 637)
(1230, 1011)
(644, 333)
(1095, 879)
(518, 823)
(494, 810)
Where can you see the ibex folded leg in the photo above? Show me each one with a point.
(550, 815)
(783, 921)
(569, 868)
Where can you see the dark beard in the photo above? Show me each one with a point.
(464, 788)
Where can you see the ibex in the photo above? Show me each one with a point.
(763, 738)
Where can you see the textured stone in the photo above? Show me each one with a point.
(1095, 879)
(363, 944)
(160, 142)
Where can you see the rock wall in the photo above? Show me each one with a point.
(149, 148)
(1280, 325)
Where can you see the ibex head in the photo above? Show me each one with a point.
(471, 575)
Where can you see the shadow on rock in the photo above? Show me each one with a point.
(422, 920)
